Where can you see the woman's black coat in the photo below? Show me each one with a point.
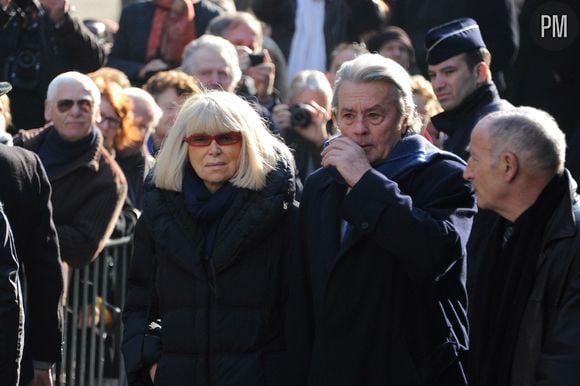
(215, 321)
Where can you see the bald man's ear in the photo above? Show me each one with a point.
(509, 165)
(47, 112)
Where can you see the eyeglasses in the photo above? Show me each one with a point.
(200, 140)
(111, 121)
(65, 105)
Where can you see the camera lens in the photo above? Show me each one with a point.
(299, 116)
(26, 59)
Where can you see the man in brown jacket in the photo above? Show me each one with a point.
(88, 186)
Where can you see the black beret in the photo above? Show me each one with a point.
(5, 87)
(452, 38)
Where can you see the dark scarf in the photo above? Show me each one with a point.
(505, 280)
(410, 152)
(57, 154)
(206, 207)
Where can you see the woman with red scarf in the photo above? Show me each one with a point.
(152, 35)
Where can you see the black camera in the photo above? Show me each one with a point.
(256, 59)
(299, 115)
(23, 62)
(23, 69)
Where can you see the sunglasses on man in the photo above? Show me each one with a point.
(224, 139)
(65, 105)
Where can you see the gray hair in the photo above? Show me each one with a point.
(219, 45)
(313, 80)
(136, 93)
(370, 68)
(214, 112)
(531, 134)
(220, 24)
(74, 76)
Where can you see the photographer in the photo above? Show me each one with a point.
(40, 39)
(263, 69)
(305, 122)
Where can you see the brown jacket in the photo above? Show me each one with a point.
(87, 198)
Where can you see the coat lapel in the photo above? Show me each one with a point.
(350, 239)
(331, 197)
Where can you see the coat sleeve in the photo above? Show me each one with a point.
(79, 48)
(274, 12)
(43, 270)
(560, 355)
(122, 54)
(426, 231)
(142, 327)
(11, 314)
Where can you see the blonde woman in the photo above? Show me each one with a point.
(206, 287)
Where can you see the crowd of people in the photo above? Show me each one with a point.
(318, 193)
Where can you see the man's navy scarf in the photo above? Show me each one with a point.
(57, 154)
(410, 152)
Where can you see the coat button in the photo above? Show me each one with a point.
(364, 225)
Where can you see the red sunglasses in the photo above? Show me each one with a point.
(200, 140)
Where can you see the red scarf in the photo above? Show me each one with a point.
(171, 29)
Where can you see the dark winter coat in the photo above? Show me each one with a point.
(221, 318)
(387, 306)
(11, 311)
(26, 195)
(547, 350)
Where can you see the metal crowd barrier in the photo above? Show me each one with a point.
(92, 320)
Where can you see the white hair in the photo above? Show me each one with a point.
(136, 93)
(225, 49)
(531, 134)
(70, 77)
(312, 80)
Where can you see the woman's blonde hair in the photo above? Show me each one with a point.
(215, 112)
(422, 86)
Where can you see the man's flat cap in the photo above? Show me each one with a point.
(452, 38)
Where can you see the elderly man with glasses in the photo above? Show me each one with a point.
(88, 186)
